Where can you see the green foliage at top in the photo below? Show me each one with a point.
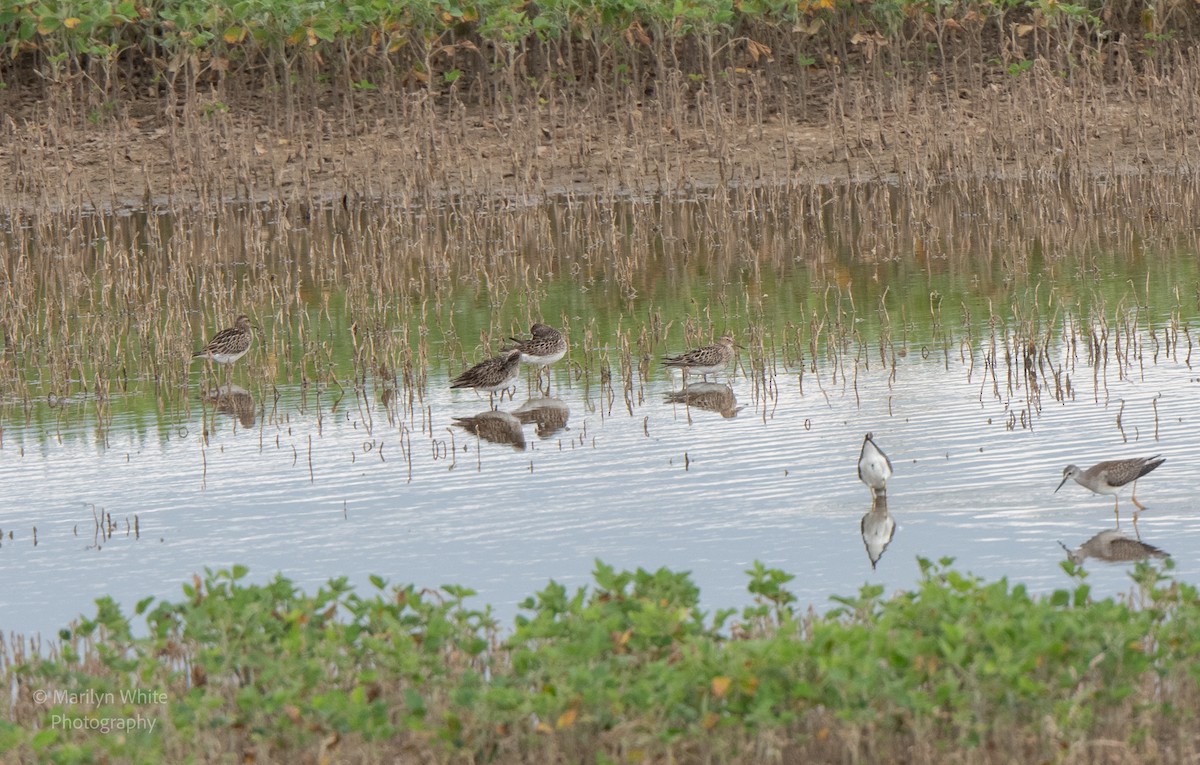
(631, 662)
(173, 30)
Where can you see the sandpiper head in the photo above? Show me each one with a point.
(726, 341)
(1070, 471)
(539, 329)
(242, 322)
(1075, 556)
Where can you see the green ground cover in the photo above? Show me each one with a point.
(629, 669)
(373, 44)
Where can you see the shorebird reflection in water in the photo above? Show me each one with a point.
(495, 426)
(1111, 476)
(548, 414)
(874, 467)
(492, 375)
(1113, 546)
(233, 400)
(544, 346)
(878, 527)
(712, 397)
(703, 361)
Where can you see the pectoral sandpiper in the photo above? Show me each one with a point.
(228, 345)
(703, 361)
(492, 375)
(545, 346)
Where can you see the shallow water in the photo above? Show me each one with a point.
(337, 476)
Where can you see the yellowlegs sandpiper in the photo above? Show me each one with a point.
(874, 467)
(1111, 476)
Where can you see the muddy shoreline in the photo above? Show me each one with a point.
(1034, 129)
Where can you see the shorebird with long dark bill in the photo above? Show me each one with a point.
(1111, 476)
(492, 375)
(703, 361)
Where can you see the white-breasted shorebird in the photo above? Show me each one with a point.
(544, 346)
(228, 345)
(703, 361)
(1111, 476)
(874, 467)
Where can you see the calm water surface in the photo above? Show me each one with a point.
(316, 480)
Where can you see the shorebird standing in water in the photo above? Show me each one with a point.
(228, 345)
(492, 375)
(545, 346)
(874, 467)
(1111, 476)
(703, 361)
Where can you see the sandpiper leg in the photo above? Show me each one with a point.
(1133, 497)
